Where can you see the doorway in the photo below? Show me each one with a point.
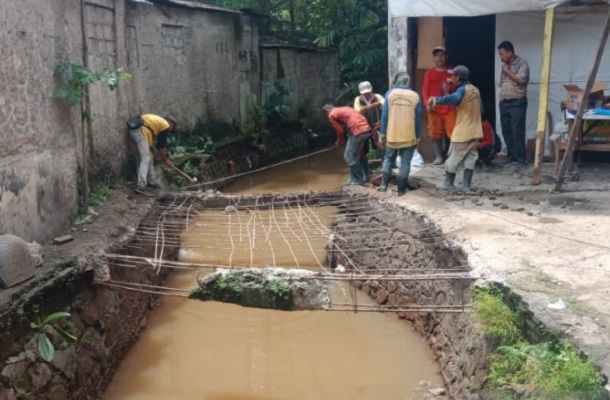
(471, 41)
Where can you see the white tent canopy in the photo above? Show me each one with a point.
(465, 8)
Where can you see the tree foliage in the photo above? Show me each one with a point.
(356, 28)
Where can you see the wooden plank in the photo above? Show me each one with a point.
(544, 94)
(567, 158)
(429, 35)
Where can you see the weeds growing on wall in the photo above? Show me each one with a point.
(45, 345)
(548, 370)
(74, 89)
(194, 145)
(98, 195)
(274, 112)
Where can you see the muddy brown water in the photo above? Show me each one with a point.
(213, 351)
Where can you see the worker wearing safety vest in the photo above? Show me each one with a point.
(468, 129)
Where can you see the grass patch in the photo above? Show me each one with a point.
(549, 370)
(496, 318)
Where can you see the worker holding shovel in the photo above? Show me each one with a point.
(150, 134)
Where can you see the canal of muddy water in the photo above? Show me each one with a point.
(213, 351)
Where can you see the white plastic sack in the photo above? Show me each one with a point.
(416, 161)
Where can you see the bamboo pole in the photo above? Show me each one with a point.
(543, 106)
(583, 105)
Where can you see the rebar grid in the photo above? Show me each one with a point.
(278, 226)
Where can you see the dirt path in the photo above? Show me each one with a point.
(545, 247)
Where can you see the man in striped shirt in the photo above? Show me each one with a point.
(513, 104)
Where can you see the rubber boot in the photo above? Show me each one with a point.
(403, 184)
(384, 183)
(449, 181)
(366, 168)
(468, 173)
(438, 150)
(356, 175)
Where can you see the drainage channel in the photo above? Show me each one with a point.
(210, 350)
(385, 265)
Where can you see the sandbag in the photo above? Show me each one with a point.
(16, 262)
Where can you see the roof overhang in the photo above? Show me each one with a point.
(465, 8)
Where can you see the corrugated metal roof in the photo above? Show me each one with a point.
(194, 5)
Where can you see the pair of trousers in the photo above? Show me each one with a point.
(439, 123)
(462, 154)
(146, 170)
(352, 149)
(406, 155)
(512, 120)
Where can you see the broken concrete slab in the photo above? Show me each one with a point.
(63, 239)
(269, 288)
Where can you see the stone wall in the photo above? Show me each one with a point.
(193, 63)
(187, 59)
(405, 242)
(104, 29)
(311, 77)
(38, 134)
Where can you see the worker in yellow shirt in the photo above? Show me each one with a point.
(150, 134)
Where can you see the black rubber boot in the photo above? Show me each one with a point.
(356, 175)
(438, 151)
(449, 181)
(468, 173)
(403, 184)
(384, 183)
(366, 168)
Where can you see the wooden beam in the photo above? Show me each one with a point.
(583, 105)
(543, 106)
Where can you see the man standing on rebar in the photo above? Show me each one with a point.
(513, 104)
(151, 140)
(369, 104)
(441, 120)
(400, 130)
(348, 122)
(468, 129)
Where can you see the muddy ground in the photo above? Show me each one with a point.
(544, 246)
(118, 216)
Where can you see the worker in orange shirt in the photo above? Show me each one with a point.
(489, 146)
(437, 83)
(350, 126)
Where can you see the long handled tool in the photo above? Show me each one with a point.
(191, 180)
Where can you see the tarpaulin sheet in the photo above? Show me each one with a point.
(465, 8)
(576, 38)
